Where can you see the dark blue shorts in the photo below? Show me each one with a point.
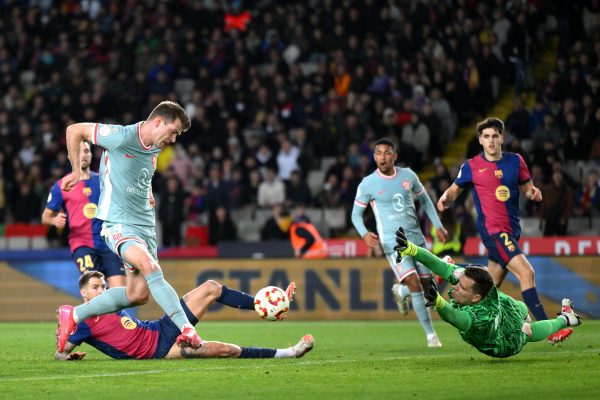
(169, 332)
(502, 247)
(105, 261)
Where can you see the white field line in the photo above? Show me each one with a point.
(237, 367)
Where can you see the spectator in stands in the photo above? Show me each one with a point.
(330, 196)
(557, 205)
(171, 211)
(195, 204)
(217, 191)
(547, 131)
(221, 227)
(271, 191)
(517, 122)
(27, 206)
(278, 225)
(587, 199)
(576, 147)
(297, 191)
(287, 159)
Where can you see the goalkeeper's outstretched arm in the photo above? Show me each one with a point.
(432, 262)
(460, 319)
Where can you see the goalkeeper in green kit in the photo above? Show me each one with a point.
(491, 321)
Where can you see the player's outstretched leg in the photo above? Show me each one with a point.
(305, 345)
(401, 301)
(66, 325)
(570, 317)
(290, 291)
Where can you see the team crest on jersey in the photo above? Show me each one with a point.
(104, 130)
(498, 173)
(154, 158)
(406, 184)
(87, 191)
(128, 323)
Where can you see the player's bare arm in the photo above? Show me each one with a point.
(531, 192)
(55, 218)
(76, 133)
(449, 197)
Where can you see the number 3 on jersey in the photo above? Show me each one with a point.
(85, 263)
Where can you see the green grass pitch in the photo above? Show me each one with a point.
(362, 360)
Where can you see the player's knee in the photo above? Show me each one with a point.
(213, 288)
(138, 297)
(148, 266)
(413, 283)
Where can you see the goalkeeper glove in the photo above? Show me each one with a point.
(403, 246)
(433, 297)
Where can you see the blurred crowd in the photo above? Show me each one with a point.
(273, 88)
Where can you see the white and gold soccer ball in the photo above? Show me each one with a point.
(272, 303)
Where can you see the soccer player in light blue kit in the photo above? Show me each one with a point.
(391, 192)
(126, 206)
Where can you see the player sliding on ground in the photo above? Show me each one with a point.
(491, 321)
(120, 336)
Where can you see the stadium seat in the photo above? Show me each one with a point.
(27, 230)
(315, 180)
(335, 217)
(531, 227)
(196, 235)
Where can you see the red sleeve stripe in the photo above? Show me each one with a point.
(360, 203)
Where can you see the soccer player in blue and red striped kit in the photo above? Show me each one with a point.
(121, 336)
(495, 178)
(78, 207)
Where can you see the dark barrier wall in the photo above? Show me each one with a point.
(333, 289)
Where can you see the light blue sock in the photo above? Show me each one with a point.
(404, 291)
(418, 301)
(113, 299)
(166, 297)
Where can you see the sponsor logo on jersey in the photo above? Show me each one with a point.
(502, 193)
(498, 173)
(90, 210)
(398, 202)
(128, 323)
(129, 156)
(481, 170)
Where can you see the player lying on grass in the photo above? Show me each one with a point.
(491, 321)
(120, 336)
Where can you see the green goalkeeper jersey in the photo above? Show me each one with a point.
(493, 325)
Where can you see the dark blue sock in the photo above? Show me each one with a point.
(236, 299)
(531, 298)
(257, 352)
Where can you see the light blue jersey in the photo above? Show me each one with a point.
(126, 171)
(392, 199)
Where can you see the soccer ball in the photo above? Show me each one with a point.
(271, 303)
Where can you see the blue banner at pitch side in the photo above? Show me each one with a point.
(331, 289)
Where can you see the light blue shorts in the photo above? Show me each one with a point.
(119, 237)
(407, 266)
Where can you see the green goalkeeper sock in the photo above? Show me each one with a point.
(540, 330)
